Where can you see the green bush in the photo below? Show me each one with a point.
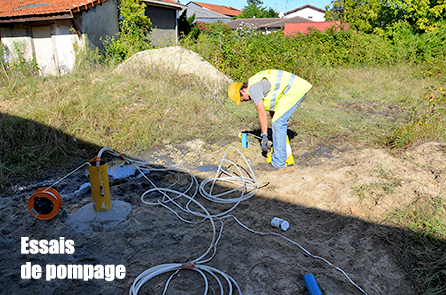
(211, 29)
(134, 32)
(427, 120)
(254, 10)
(19, 66)
(241, 55)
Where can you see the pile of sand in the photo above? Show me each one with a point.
(178, 60)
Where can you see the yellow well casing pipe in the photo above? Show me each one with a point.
(100, 189)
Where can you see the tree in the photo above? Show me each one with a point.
(372, 15)
(360, 14)
(258, 2)
(254, 10)
(185, 24)
(424, 15)
(134, 30)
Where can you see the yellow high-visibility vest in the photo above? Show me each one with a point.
(286, 90)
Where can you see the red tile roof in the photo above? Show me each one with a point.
(21, 8)
(303, 7)
(226, 10)
(267, 23)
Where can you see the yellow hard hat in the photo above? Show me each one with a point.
(234, 92)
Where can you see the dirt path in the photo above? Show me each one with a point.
(333, 199)
(366, 183)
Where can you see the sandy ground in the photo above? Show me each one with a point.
(318, 196)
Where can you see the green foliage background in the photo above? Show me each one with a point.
(303, 54)
(211, 29)
(255, 10)
(317, 55)
(374, 15)
(185, 24)
(134, 32)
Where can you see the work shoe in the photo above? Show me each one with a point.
(267, 167)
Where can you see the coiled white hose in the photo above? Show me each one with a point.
(195, 263)
(248, 187)
(244, 184)
(176, 267)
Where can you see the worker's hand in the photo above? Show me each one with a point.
(264, 142)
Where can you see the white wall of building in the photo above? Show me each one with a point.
(308, 13)
(52, 43)
(16, 39)
(65, 40)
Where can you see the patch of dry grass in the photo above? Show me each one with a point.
(129, 112)
(364, 105)
(133, 111)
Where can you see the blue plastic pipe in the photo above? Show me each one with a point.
(311, 284)
(244, 140)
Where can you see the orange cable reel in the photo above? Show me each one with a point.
(44, 203)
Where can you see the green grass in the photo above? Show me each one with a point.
(364, 105)
(131, 112)
(425, 216)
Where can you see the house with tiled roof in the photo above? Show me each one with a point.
(308, 11)
(266, 25)
(211, 13)
(289, 26)
(205, 15)
(225, 10)
(50, 30)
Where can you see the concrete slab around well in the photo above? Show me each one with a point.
(87, 220)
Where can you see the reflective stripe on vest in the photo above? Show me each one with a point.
(290, 82)
(276, 91)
